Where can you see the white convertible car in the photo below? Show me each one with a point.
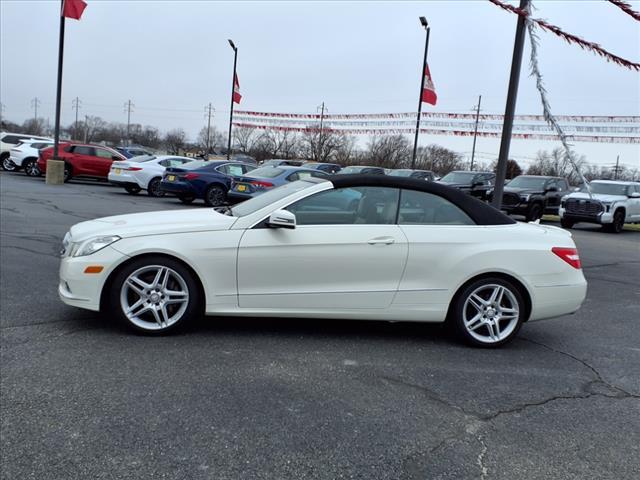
(352, 247)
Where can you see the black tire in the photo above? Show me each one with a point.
(618, 222)
(566, 223)
(31, 169)
(534, 212)
(132, 189)
(68, 172)
(186, 199)
(7, 164)
(463, 307)
(145, 321)
(215, 196)
(153, 189)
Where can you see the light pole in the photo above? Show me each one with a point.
(233, 86)
(425, 24)
(475, 132)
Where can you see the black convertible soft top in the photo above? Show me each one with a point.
(480, 212)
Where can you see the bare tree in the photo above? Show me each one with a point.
(174, 140)
(36, 126)
(439, 159)
(321, 146)
(392, 151)
(556, 164)
(245, 138)
(93, 127)
(215, 141)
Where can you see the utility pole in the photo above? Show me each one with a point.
(128, 106)
(86, 127)
(1, 110)
(320, 143)
(76, 105)
(35, 103)
(475, 132)
(209, 111)
(510, 108)
(425, 24)
(615, 175)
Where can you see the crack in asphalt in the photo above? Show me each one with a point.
(36, 252)
(480, 459)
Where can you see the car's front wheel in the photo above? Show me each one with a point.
(7, 164)
(155, 295)
(153, 189)
(68, 172)
(618, 222)
(488, 312)
(215, 196)
(566, 223)
(31, 168)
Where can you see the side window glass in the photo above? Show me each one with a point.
(235, 170)
(348, 206)
(293, 177)
(248, 168)
(103, 153)
(421, 208)
(222, 169)
(165, 163)
(80, 150)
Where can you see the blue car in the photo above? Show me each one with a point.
(208, 180)
(264, 178)
(133, 151)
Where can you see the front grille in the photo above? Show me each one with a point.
(579, 206)
(510, 199)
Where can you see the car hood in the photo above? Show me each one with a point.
(153, 223)
(597, 196)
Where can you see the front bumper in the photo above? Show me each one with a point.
(600, 218)
(84, 290)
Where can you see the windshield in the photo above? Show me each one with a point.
(142, 158)
(528, 182)
(606, 188)
(350, 170)
(265, 172)
(270, 196)
(458, 177)
(401, 173)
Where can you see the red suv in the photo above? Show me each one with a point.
(82, 160)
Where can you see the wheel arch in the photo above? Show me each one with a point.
(106, 286)
(524, 291)
(26, 159)
(153, 177)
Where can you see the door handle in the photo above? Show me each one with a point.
(381, 241)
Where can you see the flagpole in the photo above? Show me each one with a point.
(233, 87)
(56, 134)
(424, 67)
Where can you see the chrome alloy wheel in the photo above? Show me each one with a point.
(490, 313)
(154, 297)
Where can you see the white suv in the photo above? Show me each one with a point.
(25, 155)
(9, 141)
(611, 204)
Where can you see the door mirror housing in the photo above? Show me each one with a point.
(282, 219)
(552, 188)
(634, 195)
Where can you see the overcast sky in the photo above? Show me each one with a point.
(172, 57)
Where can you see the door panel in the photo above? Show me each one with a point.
(321, 266)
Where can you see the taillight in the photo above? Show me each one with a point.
(569, 255)
(260, 184)
(134, 169)
(191, 176)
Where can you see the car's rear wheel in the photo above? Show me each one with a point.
(31, 168)
(488, 312)
(155, 295)
(566, 223)
(215, 196)
(187, 199)
(68, 172)
(132, 189)
(153, 189)
(7, 163)
(534, 213)
(618, 222)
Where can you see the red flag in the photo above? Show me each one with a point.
(73, 8)
(236, 90)
(429, 91)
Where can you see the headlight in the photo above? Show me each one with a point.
(93, 245)
(525, 198)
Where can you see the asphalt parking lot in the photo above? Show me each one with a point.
(272, 398)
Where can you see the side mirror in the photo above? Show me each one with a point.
(634, 195)
(282, 219)
(476, 184)
(551, 189)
